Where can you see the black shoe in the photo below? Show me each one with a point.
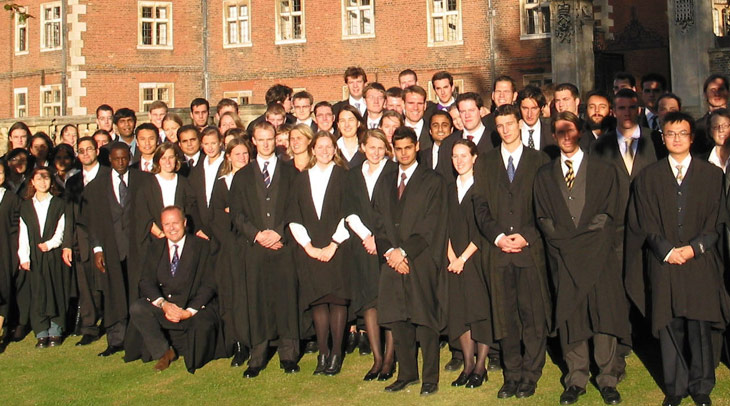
(55, 341)
(364, 345)
(334, 365)
(371, 376)
(289, 367)
(384, 376)
(507, 390)
(443, 343)
(87, 339)
(252, 372)
(42, 343)
(429, 389)
(495, 364)
(398, 386)
(610, 395)
(461, 380)
(454, 365)
(702, 400)
(19, 333)
(310, 347)
(110, 350)
(672, 400)
(351, 342)
(475, 380)
(526, 389)
(321, 364)
(240, 356)
(571, 395)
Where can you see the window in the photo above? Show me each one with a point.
(50, 26)
(150, 92)
(537, 79)
(242, 97)
(50, 101)
(444, 22)
(155, 25)
(357, 19)
(721, 17)
(21, 34)
(535, 18)
(20, 97)
(237, 24)
(289, 21)
(458, 89)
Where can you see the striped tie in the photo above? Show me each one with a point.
(680, 176)
(267, 178)
(175, 261)
(570, 176)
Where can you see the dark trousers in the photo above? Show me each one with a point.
(288, 351)
(405, 337)
(90, 298)
(525, 323)
(151, 322)
(577, 356)
(696, 376)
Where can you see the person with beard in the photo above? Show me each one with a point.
(599, 118)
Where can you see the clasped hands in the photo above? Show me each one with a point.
(321, 254)
(397, 261)
(174, 313)
(679, 256)
(269, 239)
(512, 243)
(43, 247)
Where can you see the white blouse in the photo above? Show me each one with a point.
(41, 210)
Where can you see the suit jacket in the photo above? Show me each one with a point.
(548, 144)
(76, 235)
(703, 142)
(185, 168)
(197, 184)
(151, 205)
(491, 129)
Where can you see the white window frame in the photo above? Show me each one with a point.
(280, 40)
(18, 26)
(154, 20)
(53, 104)
(16, 105)
(543, 78)
(458, 89)
(238, 95)
(443, 14)
(525, 8)
(44, 46)
(156, 86)
(360, 11)
(239, 21)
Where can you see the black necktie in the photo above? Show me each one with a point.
(530, 140)
(123, 191)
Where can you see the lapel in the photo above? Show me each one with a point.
(559, 179)
(328, 200)
(180, 192)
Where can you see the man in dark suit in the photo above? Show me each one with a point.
(576, 207)
(375, 102)
(126, 120)
(599, 110)
(324, 117)
(112, 199)
(200, 112)
(504, 212)
(259, 196)
(666, 103)
(414, 101)
(535, 130)
(176, 294)
(76, 249)
(653, 85)
(188, 139)
(407, 78)
(302, 107)
(441, 127)
(504, 92)
(394, 99)
(717, 90)
(147, 139)
(355, 79)
(410, 236)
(280, 94)
(443, 86)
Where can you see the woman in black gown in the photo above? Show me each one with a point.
(9, 212)
(318, 225)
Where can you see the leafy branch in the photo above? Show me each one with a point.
(17, 9)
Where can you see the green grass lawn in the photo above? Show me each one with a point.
(74, 375)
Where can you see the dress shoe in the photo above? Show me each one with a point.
(610, 395)
(384, 376)
(351, 341)
(495, 364)
(252, 372)
(398, 386)
(20, 332)
(239, 356)
(110, 350)
(454, 365)
(371, 376)
(672, 400)
(42, 343)
(334, 365)
(461, 380)
(321, 364)
(289, 367)
(508, 389)
(55, 341)
(364, 345)
(310, 347)
(87, 339)
(429, 389)
(526, 389)
(702, 400)
(570, 395)
(164, 362)
(475, 380)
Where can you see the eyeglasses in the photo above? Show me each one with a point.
(720, 127)
(673, 134)
(86, 150)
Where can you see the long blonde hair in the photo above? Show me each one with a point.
(337, 158)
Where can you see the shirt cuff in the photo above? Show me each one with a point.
(300, 234)
(98, 249)
(158, 302)
(668, 255)
(355, 223)
(341, 234)
(192, 311)
(499, 237)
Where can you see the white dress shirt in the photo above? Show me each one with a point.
(373, 122)
(194, 158)
(408, 172)
(685, 165)
(346, 152)
(307, 121)
(462, 186)
(476, 134)
(41, 211)
(417, 127)
(145, 165)
(228, 178)
(359, 104)
(516, 155)
(90, 175)
(115, 183)
(435, 155)
(525, 129)
(272, 164)
(353, 220)
(715, 159)
(576, 159)
(2, 193)
(168, 188)
(622, 143)
(210, 170)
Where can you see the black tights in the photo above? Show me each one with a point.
(329, 318)
(373, 331)
(467, 347)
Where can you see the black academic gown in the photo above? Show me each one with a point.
(266, 306)
(587, 277)
(9, 213)
(417, 224)
(151, 205)
(696, 289)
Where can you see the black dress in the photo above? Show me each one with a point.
(9, 212)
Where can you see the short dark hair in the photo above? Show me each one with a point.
(224, 102)
(394, 91)
(654, 77)
(88, 139)
(441, 113)
(531, 92)
(469, 96)
(670, 96)
(602, 94)
(505, 78)
(565, 116)
(506, 110)
(147, 126)
(721, 112)
(415, 89)
(186, 128)
(625, 76)
(100, 131)
(626, 93)
(119, 145)
(303, 95)
(278, 94)
(677, 117)
(406, 72)
(442, 75)
(104, 107)
(374, 86)
(263, 124)
(713, 78)
(321, 104)
(274, 109)
(473, 150)
(355, 72)
(125, 113)
(404, 132)
(211, 130)
(199, 101)
(568, 86)
(158, 104)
